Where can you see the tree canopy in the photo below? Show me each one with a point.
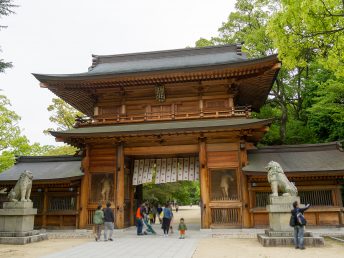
(62, 115)
(308, 37)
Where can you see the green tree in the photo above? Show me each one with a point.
(6, 8)
(12, 142)
(63, 115)
(185, 192)
(49, 150)
(306, 29)
(326, 115)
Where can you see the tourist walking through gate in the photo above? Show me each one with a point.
(299, 222)
(109, 219)
(166, 219)
(98, 221)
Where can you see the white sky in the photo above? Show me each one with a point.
(59, 36)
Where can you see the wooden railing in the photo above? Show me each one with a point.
(315, 198)
(226, 216)
(164, 116)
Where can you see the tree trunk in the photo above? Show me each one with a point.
(283, 126)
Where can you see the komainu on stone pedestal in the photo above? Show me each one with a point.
(279, 181)
(17, 216)
(22, 190)
(279, 208)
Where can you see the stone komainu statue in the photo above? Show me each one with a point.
(278, 180)
(22, 189)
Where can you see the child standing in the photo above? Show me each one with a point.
(182, 228)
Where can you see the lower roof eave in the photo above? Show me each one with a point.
(46, 181)
(143, 129)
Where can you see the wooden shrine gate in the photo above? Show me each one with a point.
(214, 165)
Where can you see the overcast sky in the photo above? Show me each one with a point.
(59, 36)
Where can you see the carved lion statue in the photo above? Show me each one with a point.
(22, 190)
(278, 180)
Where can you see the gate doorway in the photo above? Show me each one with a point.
(161, 179)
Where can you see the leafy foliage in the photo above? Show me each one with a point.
(308, 29)
(184, 192)
(63, 115)
(12, 142)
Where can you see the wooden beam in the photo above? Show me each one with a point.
(158, 150)
(204, 183)
(120, 187)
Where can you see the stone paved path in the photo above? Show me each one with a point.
(132, 247)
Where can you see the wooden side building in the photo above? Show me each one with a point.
(186, 106)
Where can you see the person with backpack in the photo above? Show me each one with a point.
(298, 221)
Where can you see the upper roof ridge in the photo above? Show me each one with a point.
(101, 59)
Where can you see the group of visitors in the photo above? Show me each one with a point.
(146, 215)
(165, 216)
(104, 216)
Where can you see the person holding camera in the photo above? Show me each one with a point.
(298, 221)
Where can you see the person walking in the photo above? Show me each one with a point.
(166, 219)
(139, 219)
(98, 221)
(109, 219)
(159, 211)
(299, 222)
(182, 228)
(154, 211)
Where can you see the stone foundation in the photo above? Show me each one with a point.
(283, 238)
(16, 224)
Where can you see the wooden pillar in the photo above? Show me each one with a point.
(45, 207)
(84, 190)
(120, 187)
(244, 186)
(132, 214)
(77, 207)
(339, 203)
(131, 196)
(204, 183)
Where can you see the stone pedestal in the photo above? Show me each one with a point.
(279, 212)
(16, 224)
(280, 233)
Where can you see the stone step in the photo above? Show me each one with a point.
(23, 240)
(271, 233)
(288, 241)
(19, 234)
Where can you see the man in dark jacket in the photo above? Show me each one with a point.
(300, 222)
(109, 219)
